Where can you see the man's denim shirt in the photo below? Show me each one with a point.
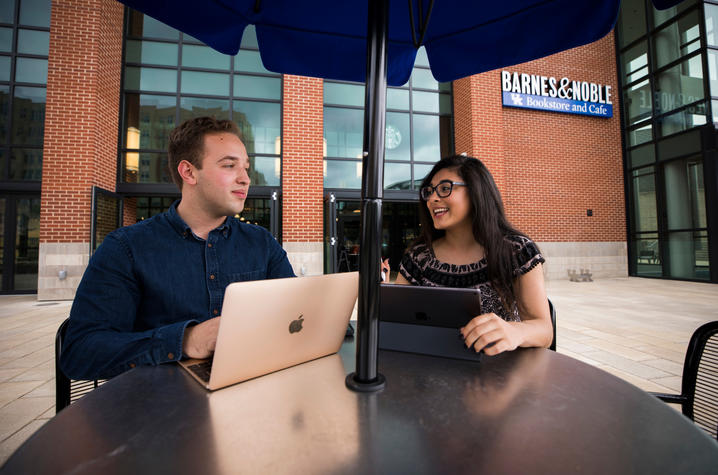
(147, 282)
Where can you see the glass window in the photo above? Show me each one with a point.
(28, 115)
(647, 255)
(634, 62)
(676, 40)
(343, 129)
(7, 12)
(397, 99)
(688, 255)
(645, 217)
(215, 84)
(711, 12)
(4, 115)
(33, 42)
(27, 243)
(148, 120)
(35, 13)
(145, 26)
(423, 79)
(397, 176)
(683, 120)
(6, 40)
(421, 58)
(662, 16)
(344, 94)
(427, 146)
(257, 87)
(146, 167)
(151, 52)
(642, 156)
(4, 68)
(685, 194)
(200, 107)
(260, 123)
(640, 134)
(249, 38)
(151, 79)
(204, 57)
(631, 21)
(342, 174)
(713, 71)
(249, 61)
(31, 70)
(26, 164)
(425, 101)
(265, 170)
(680, 85)
(420, 172)
(397, 141)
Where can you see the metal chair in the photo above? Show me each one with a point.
(552, 310)
(68, 391)
(699, 387)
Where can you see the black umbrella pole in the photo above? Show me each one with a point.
(366, 377)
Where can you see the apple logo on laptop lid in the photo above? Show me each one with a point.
(296, 325)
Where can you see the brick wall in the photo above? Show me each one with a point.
(551, 167)
(302, 163)
(83, 91)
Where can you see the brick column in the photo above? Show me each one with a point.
(478, 133)
(302, 173)
(81, 122)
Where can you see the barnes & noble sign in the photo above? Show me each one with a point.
(530, 91)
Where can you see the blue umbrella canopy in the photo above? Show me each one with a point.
(328, 39)
(375, 42)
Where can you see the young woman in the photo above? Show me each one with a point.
(466, 241)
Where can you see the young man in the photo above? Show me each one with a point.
(152, 292)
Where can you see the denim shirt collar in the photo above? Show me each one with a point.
(183, 228)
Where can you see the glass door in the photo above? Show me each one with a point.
(20, 243)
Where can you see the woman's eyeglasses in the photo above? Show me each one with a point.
(443, 189)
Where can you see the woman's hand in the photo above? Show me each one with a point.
(491, 333)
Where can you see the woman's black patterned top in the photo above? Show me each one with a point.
(421, 267)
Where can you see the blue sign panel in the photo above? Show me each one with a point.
(556, 104)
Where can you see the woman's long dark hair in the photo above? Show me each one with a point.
(488, 219)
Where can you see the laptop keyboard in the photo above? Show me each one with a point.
(202, 370)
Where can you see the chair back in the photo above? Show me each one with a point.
(700, 378)
(552, 310)
(62, 382)
(68, 391)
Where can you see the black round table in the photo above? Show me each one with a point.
(528, 411)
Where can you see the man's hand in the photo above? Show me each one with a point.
(200, 340)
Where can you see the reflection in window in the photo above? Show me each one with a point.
(26, 164)
(678, 39)
(28, 116)
(35, 13)
(153, 106)
(680, 85)
(260, 124)
(396, 141)
(27, 243)
(148, 120)
(343, 132)
(200, 107)
(31, 70)
(632, 21)
(397, 176)
(33, 42)
(688, 118)
(342, 174)
(644, 200)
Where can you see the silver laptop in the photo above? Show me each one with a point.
(426, 320)
(269, 325)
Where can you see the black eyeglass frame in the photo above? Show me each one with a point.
(436, 189)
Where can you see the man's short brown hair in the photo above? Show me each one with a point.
(187, 142)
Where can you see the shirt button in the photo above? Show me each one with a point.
(132, 365)
(211, 277)
(171, 356)
(209, 244)
(215, 311)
